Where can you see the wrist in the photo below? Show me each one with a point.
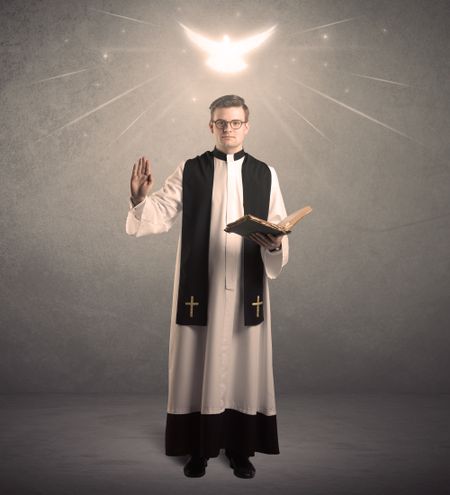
(136, 201)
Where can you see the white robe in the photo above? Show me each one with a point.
(224, 365)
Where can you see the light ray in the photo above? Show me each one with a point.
(306, 120)
(66, 74)
(159, 116)
(379, 79)
(99, 107)
(135, 49)
(358, 112)
(327, 25)
(167, 107)
(286, 129)
(123, 17)
(132, 123)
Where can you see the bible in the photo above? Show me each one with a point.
(249, 224)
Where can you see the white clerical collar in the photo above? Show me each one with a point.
(223, 156)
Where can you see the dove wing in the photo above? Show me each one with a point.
(201, 41)
(247, 44)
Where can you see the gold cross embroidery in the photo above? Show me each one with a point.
(191, 303)
(257, 303)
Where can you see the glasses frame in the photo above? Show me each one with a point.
(228, 122)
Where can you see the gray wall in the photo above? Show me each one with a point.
(364, 302)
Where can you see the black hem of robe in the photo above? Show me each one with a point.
(206, 434)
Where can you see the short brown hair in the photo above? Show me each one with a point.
(229, 101)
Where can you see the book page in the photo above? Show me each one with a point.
(294, 217)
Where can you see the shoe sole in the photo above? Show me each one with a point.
(195, 475)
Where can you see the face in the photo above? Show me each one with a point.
(227, 139)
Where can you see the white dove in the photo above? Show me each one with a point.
(226, 55)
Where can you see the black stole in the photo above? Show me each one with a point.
(198, 176)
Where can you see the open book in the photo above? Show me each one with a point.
(248, 224)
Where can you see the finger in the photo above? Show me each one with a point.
(266, 242)
(251, 237)
(133, 173)
(256, 237)
(262, 238)
(148, 168)
(139, 168)
(275, 238)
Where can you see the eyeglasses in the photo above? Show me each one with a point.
(234, 124)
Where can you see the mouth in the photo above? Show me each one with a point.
(227, 137)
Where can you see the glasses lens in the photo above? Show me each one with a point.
(236, 124)
(220, 124)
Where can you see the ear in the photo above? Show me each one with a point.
(211, 127)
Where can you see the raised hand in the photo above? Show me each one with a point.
(141, 180)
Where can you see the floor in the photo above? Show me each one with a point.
(330, 444)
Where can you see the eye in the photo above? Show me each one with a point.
(220, 123)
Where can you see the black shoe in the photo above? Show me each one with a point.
(195, 467)
(241, 465)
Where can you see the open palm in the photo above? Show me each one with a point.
(141, 179)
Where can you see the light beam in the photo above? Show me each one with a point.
(354, 110)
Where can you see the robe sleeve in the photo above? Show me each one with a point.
(275, 261)
(158, 211)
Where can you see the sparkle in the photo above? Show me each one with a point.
(384, 30)
(66, 40)
(238, 14)
(293, 59)
(183, 50)
(123, 31)
(194, 99)
(325, 36)
(346, 90)
(325, 64)
(105, 56)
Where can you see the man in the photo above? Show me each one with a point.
(221, 386)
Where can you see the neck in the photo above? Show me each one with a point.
(228, 150)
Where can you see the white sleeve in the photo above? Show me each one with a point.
(158, 211)
(275, 261)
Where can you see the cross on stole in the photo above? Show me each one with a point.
(257, 303)
(191, 305)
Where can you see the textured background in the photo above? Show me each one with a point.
(356, 124)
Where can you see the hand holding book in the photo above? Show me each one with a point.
(249, 224)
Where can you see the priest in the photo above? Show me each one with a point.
(220, 378)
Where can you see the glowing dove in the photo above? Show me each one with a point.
(226, 55)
